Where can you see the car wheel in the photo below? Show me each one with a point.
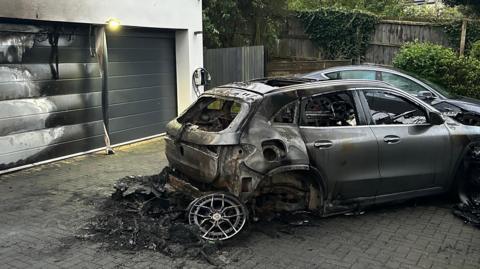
(218, 216)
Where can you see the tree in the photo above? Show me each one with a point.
(379, 7)
(222, 23)
(229, 23)
(469, 7)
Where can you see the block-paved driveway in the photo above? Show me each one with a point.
(42, 208)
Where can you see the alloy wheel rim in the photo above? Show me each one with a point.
(219, 216)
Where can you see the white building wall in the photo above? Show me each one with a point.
(185, 16)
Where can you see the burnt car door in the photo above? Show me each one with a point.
(340, 144)
(412, 151)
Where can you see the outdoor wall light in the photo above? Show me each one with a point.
(113, 24)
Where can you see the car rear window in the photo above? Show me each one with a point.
(212, 114)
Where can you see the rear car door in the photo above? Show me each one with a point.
(410, 148)
(340, 144)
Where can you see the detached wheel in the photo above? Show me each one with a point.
(219, 216)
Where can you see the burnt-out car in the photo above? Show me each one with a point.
(328, 147)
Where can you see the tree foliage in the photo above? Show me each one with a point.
(433, 13)
(453, 30)
(475, 51)
(230, 23)
(469, 7)
(379, 7)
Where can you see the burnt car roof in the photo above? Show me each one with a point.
(261, 86)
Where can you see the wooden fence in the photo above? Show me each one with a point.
(234, 64)
(389, 36)
(291, 66)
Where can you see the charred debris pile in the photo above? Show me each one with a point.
(146, 213)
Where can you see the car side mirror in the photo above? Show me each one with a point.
(425, 95)
(436, 118)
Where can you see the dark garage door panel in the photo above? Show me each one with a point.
(142, 83)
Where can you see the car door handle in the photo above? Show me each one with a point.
(323, 144)
(391, 139)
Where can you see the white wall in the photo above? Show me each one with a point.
(183, 15)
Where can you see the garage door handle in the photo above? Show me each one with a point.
(323, 144)
(391, 139)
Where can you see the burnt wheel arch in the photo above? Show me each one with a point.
(289, 191)
(466, 165)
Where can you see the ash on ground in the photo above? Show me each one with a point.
(146, 213)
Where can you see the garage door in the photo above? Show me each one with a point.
(50, 89)
(142, 83)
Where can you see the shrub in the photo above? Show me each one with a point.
(475, 50)
(460, 75)
(436, 12)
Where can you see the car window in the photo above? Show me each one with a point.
(352, 74)
(333, 109)
(211, 113)
(333, 75)
(387, 108)
(403, 83)
(286, 114)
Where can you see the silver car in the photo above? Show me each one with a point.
(329, 147)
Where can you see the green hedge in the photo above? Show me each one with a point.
(460, 75)
(475, 50)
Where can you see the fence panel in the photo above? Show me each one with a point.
(389, 36)
(234, 64)
(294, 66)
(387, 39)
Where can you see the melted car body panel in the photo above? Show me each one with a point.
(276, 144)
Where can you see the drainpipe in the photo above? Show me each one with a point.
(102, 57)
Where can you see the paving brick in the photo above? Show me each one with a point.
(42, 208)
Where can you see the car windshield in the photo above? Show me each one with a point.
(436, 87)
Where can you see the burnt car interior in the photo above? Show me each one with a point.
(387, 108)
(212, 114)
(334, 109)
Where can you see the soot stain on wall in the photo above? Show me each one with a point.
(30, 126)
(46, 114)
